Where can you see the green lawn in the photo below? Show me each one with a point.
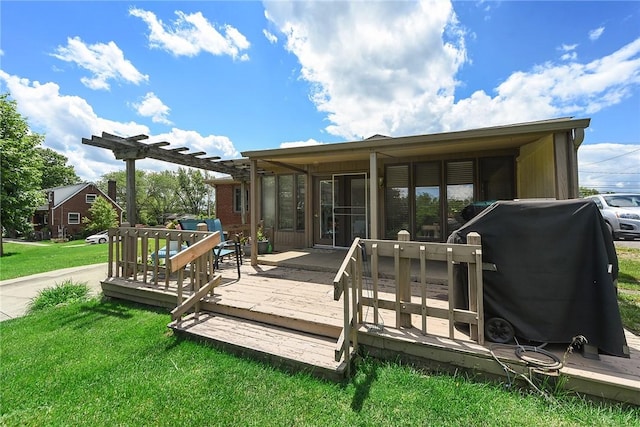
(22, 260)
(115, 363)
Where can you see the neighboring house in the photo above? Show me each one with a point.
(62, 215)
(328, 194)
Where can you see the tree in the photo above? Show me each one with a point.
(584, 192)
(20, 170)
(162, 196)
(193, 190)
(102, 215)
(55, 171)
(120, 177)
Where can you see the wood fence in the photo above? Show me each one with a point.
(161, 258)
(348, 283)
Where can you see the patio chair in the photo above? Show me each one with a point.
(225, 248)
(173, 249)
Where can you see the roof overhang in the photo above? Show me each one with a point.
(491, 138)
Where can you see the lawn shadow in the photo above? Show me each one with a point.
(104, 308)
(369, 372)
(623, 277)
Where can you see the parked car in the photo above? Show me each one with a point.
(100, 237)
(621, 212)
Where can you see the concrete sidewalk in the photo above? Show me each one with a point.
(16, 294)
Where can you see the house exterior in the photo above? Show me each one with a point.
(328, 194)
(229, 207)
(66, 206)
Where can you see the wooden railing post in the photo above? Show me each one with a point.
(475, 291)
(129, 252)
(404, 281)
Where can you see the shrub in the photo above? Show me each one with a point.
(62, 293)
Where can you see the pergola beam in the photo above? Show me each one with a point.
(132, 149)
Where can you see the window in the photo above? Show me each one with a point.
(269, 201)
(45, 219)
(396, 200)
(459, 191)
(73, 218)
(283, 202)
(300, 194)
(237, 201)
(90, 198)
(428, 218)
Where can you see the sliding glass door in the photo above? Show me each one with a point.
(342, 209)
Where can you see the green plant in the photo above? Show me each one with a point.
(260, 236)
(61, 293)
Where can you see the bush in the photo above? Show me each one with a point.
(62, 293)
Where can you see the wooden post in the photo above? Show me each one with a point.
(129, 253)
(254, 211)
(201, 270)
(404, 280)
(475, 303)
(131, 191)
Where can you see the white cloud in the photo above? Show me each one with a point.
(152, 106)
(104, 61)
(191, 34)
(609, 167)
(65, 120)
(568, 47)
(595, 34)
(569, 50)
(213, 145)
(272, 38)
(376, 67)
(392, 68)
(308, 142)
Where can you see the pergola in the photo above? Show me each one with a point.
(131, 149)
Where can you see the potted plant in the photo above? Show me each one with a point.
(264, 246)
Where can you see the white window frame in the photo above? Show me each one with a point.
(236, 199)
(69, 218)
(90, 197)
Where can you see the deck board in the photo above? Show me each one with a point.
(290, 347)
(274, 294)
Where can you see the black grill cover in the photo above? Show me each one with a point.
(556, 265)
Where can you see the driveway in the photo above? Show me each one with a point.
(628, 243)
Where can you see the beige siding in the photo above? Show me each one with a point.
(288, 240)
(536, 169)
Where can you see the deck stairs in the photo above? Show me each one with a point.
(293, 344)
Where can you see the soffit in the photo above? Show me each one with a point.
(503, 137)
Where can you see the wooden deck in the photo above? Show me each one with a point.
(287, 316)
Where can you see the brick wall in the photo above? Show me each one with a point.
(224, 205)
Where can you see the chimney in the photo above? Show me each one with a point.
(111, 189)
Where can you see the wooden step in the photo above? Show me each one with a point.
(292, 350)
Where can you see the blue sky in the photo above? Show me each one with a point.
(227, 77)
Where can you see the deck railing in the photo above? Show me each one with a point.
(158, 257)
(348, 283)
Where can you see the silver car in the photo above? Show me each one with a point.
(621, 212)
(100, 237)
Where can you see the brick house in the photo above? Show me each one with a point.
(66, 206)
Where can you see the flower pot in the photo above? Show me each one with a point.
(263, 248)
